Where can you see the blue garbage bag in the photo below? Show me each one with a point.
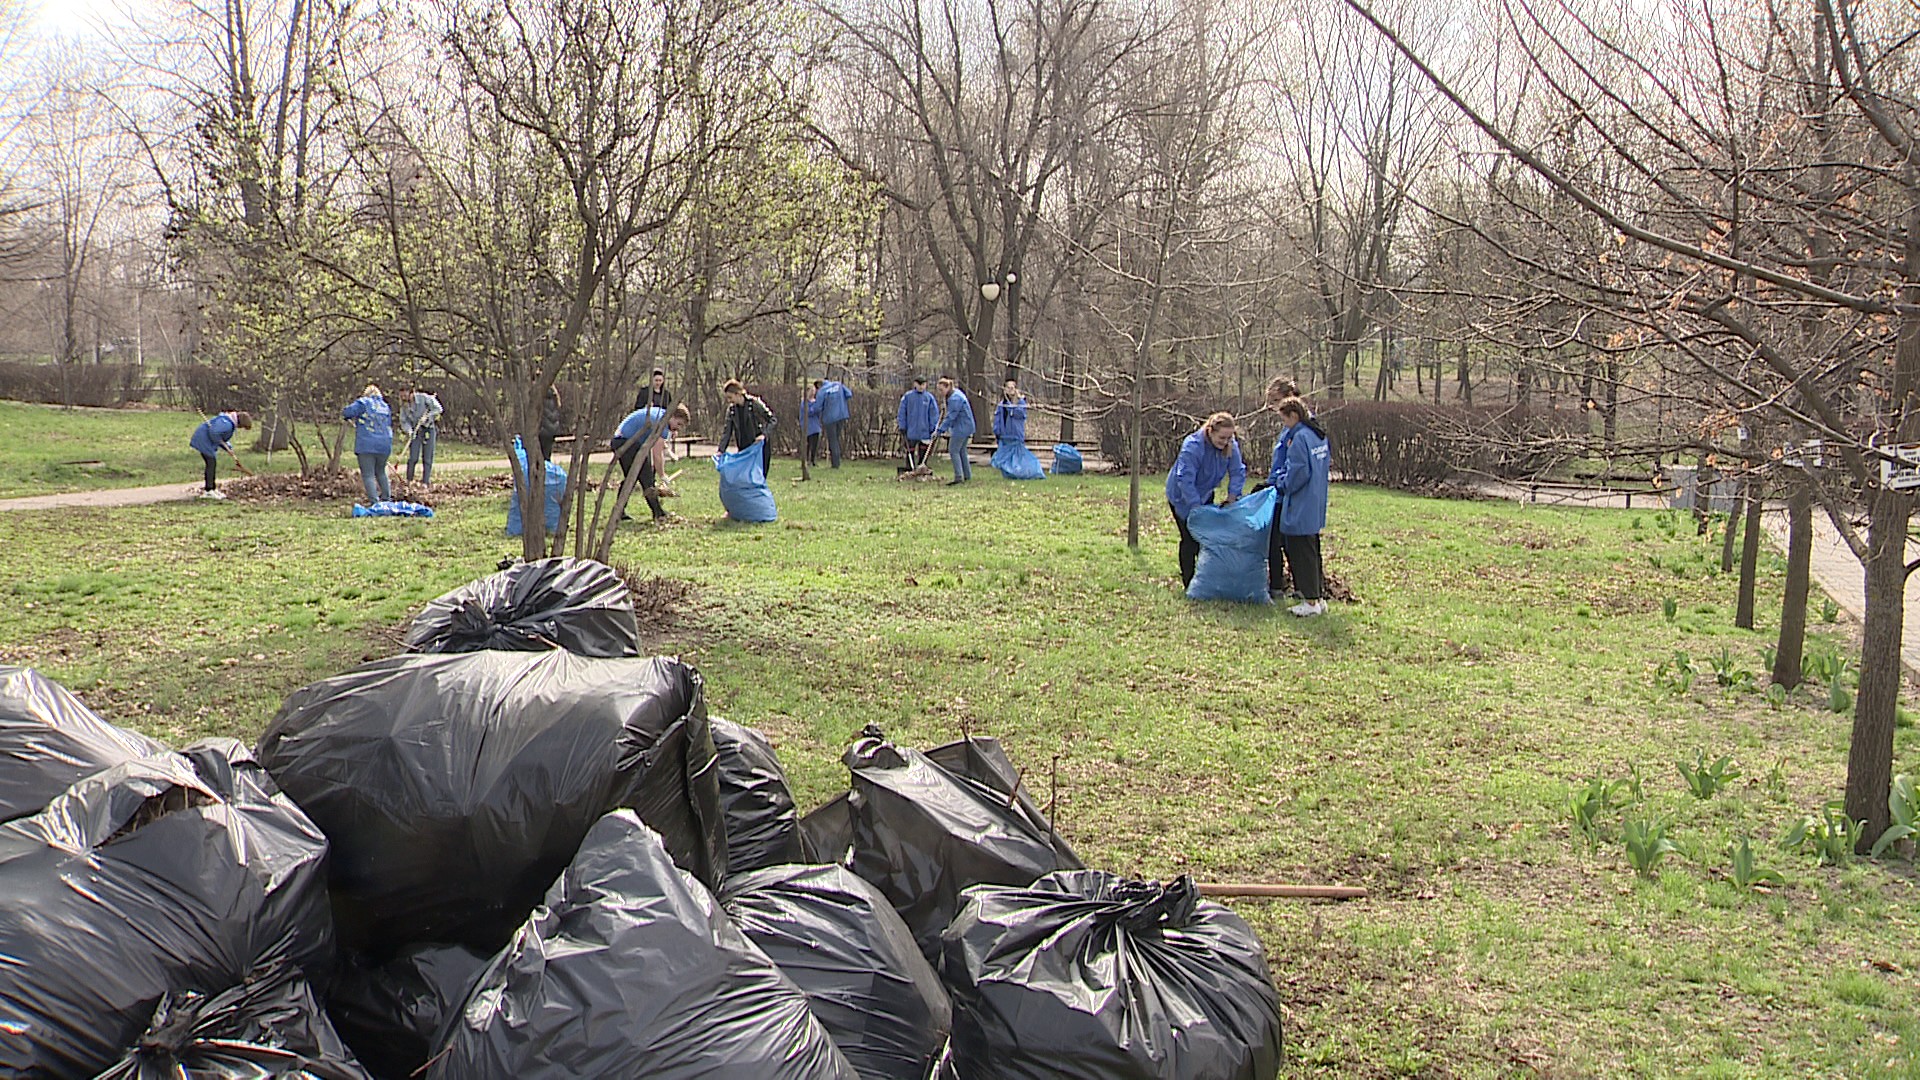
(556, 492)
(1016, 462)
(743, 485)
(393, 508)
(1066, 460)
(1233, 549)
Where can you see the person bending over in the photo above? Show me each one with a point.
(372, 441)
(631, 441)
(1207, 456)
(748, 419)
(835, 399)
(215, 434)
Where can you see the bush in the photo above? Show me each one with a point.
(102, 386)
(1393, 444)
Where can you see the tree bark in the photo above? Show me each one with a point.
(1870, 756)
(1749, 556)
(1793, 609)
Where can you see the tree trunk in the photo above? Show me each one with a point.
(1749, 556)
(1793, 610)
(1728, 537)
(1466, 374)
(1870, 756)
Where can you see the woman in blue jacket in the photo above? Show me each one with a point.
(958, 427)
(212, 436)
(1206, 457)
(372, 441)
(1303, 504)
(1010, 416)
(834, 398)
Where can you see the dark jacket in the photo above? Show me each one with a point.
(649, 398)
(746, 422)
(553, 420)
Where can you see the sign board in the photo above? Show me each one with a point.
(1900, 467)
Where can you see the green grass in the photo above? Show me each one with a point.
(49, 450)
(1421, 743)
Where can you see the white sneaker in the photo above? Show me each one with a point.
(214, 493)
(1308, 609)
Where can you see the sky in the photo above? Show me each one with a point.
(72, 18)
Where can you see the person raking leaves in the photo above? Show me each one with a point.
(214, 435)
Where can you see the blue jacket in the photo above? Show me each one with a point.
(641, 424)
(1010, 422)
(1303, 506)
(834, 397)
(214, 434)
(1199, 469)
(372, 425)
(814, 408)
(919, 415)
(1277, 469)
(959, 418)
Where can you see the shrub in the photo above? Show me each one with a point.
(100, 386)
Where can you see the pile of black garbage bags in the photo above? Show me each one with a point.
(524, 851)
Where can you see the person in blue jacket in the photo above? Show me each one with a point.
(1206, 457)
(372, 441)
(639, 428)
(1303, 504)
(814, 426)
(834, 400)
(958, 427)
(215, 434)
(919, 416)
(1010, 416)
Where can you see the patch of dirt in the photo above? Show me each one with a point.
(1441, 489)
(666, 607)
(1332, 586)
(340, 485)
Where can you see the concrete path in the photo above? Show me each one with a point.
(1843, 578)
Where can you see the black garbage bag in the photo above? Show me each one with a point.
(631, 969)
(390, 1013)
(827, 830)
(1086, 974)
(578, 605)
(455, 788)
(835, 936)
(268, 1026)
(48, 740)
(177, 872)
(926, 826)
(763, 829)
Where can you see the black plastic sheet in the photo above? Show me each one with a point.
(49, 739)
(578, 605)
(456, 788)
(160, 875)
(762, 826)
(925, 826)
(631, 969)
(835, 936)
(269, 1026)
(1089, 976)
(389, 1014)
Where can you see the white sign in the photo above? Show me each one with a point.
(1900, 467)
(1807, 455)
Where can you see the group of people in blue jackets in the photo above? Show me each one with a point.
(1298, 471)
(921, 420)
(373, 422)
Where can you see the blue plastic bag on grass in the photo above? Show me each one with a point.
(1066, 460)
(556, 492)
(743, 485)
(1016, 462)
(393, 508)
(1233, 549)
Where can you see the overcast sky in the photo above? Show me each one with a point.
(72, 18)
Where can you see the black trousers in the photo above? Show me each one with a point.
(1276, 558)
(1189, 550)
(766, 457)
(1303, 560)
(624, 451)
(546, 445)
(813, 449)
(213, 468)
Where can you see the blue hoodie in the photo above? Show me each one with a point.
(1010, 422)
(372, 424)
(214, 434)
(1199, 469)
(814, 408)
(959, 421)
(919, 415)
(1303, 510)
(834, 397)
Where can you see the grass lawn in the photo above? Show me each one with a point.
(49, 449)
(1422, 743)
